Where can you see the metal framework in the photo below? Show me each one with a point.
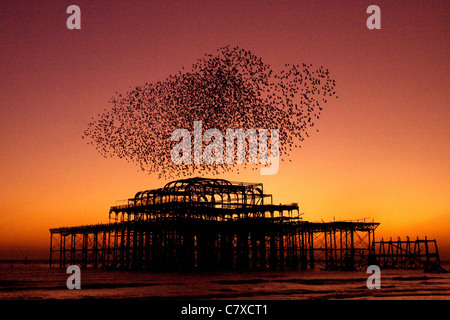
(415, 254)
(209, 224)
(208, 199)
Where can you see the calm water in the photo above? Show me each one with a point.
(38, 281)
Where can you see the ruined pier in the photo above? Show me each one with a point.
(213, 224)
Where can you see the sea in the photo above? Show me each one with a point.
(37, 281)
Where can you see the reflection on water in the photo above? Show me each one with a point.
(38, 281)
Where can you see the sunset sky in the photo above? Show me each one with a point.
(382, 152)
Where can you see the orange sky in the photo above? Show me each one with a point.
(383, 148)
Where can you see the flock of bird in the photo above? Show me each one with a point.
(228, 90)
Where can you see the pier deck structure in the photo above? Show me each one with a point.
(214, 224)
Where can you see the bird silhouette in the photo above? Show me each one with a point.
(231, 89)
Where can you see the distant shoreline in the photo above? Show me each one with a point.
(445, 263)
(22, 261)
